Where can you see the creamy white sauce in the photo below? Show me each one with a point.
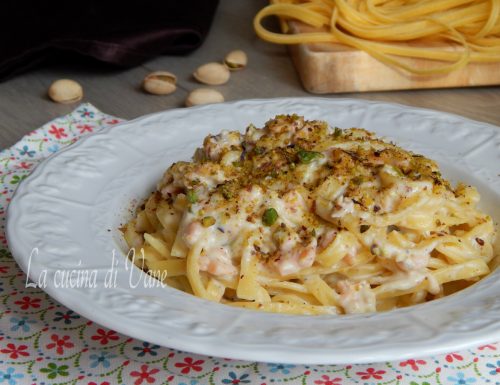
(356, 297)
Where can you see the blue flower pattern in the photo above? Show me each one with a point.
(23, 323)
(101, 359)
(146, 348)
(234, 379)
(461, 380)
(26, 151)
(54, 148)
(192, 382)
(496, 368)
(86, 113)
(285, 369)
(8, 377)
(68, 316)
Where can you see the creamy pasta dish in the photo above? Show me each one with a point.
(303, 218)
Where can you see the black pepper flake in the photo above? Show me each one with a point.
(376, 208)
(357, 202)
(480, 241)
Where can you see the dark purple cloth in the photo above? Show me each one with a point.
(121, 33)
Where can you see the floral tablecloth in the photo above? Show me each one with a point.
(42, 342)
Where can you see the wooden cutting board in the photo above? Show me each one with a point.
(333, 68)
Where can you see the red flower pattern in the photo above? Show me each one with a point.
(60, 343)
(14, 352)
(371, 372)
(326, 380)
(102, 383)
(144, 375)
(453, 356)
(24, 166)
(105, 336)
(490, 347)
(27, 302)
(413, 364)
(57, 132)
(189, 364)
(85, 128)
(4, 269)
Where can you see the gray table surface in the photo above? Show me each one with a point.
(24, 105)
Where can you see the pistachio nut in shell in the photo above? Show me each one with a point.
(212, 73)
(236, 60)
(65, 91)
(203, 96)
(160, 83)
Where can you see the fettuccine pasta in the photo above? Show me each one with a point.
(383, 28)
(302, 218)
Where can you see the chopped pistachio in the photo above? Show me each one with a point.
(208, 221)
(307, 157)
(226, 191)
(191, 196)
(269, 217)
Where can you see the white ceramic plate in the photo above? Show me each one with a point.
(72, 204)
